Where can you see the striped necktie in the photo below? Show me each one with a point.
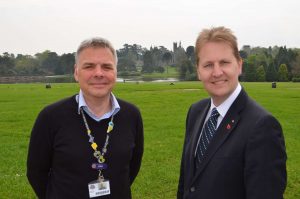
(207, 134)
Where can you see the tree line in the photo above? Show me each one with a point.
(259, 63)
(270, 64)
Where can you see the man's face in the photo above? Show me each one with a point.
(219, 70)
(96, 72)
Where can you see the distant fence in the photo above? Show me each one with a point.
(22, 79)
(35, 79)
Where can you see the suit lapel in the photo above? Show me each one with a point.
(195, 136)
(227, 125)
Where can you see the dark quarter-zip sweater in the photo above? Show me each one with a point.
(60, 155)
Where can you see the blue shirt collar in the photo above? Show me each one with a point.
(114, 110)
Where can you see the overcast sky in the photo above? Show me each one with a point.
(32, 26)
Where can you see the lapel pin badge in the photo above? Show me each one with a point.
(228, 126)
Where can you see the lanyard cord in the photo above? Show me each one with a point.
(98, 154)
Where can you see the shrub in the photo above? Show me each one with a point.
(296, 79)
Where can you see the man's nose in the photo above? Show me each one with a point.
(98, 71)
(217, 70)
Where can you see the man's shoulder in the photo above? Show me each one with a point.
(60, 105)
(249, 108)
(200, 104)
(128, 106)
(198, 107)
(256, 108)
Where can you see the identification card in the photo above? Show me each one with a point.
(97, 188)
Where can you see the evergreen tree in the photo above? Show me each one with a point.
(187, 70)
(260, 74)
(249, 69)
(148, 66)
(283, 73)
(271, 74)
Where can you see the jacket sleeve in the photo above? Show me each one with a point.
(138, 150)
(39, 155)
(180, 191)
(265, 161)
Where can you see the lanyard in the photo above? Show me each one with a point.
(99, 155)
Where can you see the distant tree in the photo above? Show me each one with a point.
(132, 52)
(296, 67)
(248, 73)
(66, 64)
(156, 57)
(179, 57)
(126, 64)
(52, 63)
(183, 69)
(26, 65)
(262, 59)
(7, 64)
(260, 74)
(190, 52)
(287, 57)
(257, 50)
(247, 50)
(274, 51)
(249, 69)
(283, 73)
(292, 55)
(159, 69)
(49, 62)
(187, 70)
(148, 66)
(271, 74)
(243, 54)
(167, 58)
(153, 59)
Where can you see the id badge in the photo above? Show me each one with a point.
(97, 188)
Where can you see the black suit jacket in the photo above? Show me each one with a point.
(246, 159)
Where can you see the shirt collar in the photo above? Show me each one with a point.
(223, 108)
(81, 103)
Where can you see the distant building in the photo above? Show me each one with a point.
(247, 49)
(178, 53)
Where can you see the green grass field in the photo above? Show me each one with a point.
(163, 108)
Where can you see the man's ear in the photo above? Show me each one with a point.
(76, 72)
(198, 72)
(240, 63)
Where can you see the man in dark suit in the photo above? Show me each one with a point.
(233, 148)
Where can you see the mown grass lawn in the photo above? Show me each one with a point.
(163, 108)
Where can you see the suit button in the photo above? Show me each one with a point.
(192, 189)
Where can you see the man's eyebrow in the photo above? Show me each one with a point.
(88, 63)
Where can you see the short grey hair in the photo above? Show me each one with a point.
(96, 42)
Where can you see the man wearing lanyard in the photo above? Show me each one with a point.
(89, 145)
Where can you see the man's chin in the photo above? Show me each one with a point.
(99, 86)
(100, 94)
